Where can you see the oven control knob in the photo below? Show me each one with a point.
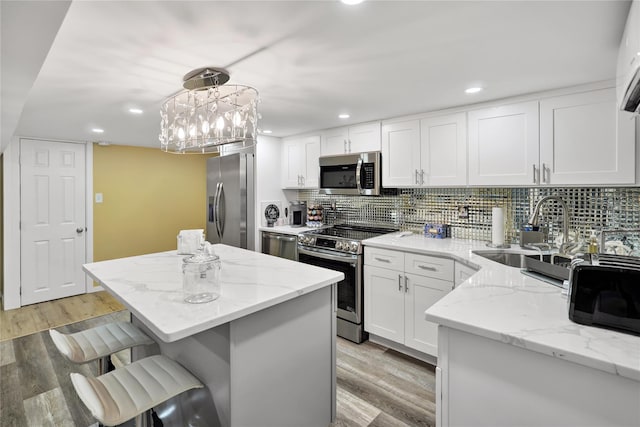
(353, 246)
(312, 240)
(339, 246)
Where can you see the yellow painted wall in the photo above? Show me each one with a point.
(149, 196)
(1, 230)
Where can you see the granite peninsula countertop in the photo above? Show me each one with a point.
(500, 303)
(150, 286)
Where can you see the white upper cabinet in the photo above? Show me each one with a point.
(443, 150)
(503, 145)
(401, 154)
(429, 152)
(300, 162)
(353, 139)
(585, 140)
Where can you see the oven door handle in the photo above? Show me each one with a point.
(340, 258)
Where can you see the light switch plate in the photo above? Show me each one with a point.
(98, 197)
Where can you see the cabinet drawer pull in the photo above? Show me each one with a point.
(400, 282)
(424, 267)
(381, 259)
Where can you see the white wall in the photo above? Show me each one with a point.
(268, 172)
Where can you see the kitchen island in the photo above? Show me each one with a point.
(265, 349)
(509, 355)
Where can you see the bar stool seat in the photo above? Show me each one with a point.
(125, 393)
(98, 342)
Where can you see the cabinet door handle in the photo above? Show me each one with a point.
(424, 267)
(417, 182)
(382, 259)
(534, 174)
(400, 282)
(349, 145)
(345, 146)
(422, 176)
(544, 173)
(406, 284)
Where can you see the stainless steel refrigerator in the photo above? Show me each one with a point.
(231, 200)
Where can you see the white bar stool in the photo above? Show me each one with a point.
(125, 393)
(99, 342)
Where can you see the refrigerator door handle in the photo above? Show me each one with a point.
(216, 208)
(221, 208)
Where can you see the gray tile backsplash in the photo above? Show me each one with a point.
(409, 209)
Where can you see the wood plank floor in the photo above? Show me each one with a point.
(376, 386)
(52, 314)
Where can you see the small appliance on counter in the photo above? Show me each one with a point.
(315, 215)
(297, 213)
(605, 292)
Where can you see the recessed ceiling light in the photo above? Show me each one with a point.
(135, 111)
(351, 2)
(343, 116)
(473, 90)
(97, 130)
(267, 131)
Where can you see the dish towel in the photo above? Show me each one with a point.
(190, 241)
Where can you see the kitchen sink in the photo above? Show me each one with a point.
(550, 267)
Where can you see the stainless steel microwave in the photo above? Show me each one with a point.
(351, 174)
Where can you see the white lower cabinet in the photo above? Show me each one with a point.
(398, 288)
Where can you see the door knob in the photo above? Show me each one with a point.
(79, 230)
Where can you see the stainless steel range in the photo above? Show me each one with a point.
(340, 248)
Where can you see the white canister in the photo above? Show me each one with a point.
(201, 278)
(497, 226)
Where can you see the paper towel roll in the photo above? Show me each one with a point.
(497, 226)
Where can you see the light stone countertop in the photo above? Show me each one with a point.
(150, 286)
(500, 303)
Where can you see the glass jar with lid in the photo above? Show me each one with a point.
(201, 278)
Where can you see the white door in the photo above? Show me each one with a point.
(585, 140)
(292, 163)
(421, 293)
(503, 145)
(312, 167)
(364, 137)
(444, 150)
(401, 154)
(384, 303)
(52, 232)
(334, 141)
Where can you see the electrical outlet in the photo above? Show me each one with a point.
(463, 212)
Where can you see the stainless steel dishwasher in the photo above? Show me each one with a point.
(280, 244)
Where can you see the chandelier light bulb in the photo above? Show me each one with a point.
(205, 127)
(237, 119)
(181, 133)
(220, 123)
(192, 131)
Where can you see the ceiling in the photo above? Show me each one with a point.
(310, 60)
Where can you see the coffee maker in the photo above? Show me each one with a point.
(297, 213)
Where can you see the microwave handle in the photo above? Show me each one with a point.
(358, 170)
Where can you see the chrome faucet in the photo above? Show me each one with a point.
(533, 219)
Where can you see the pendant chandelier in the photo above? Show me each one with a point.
(208, 114)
